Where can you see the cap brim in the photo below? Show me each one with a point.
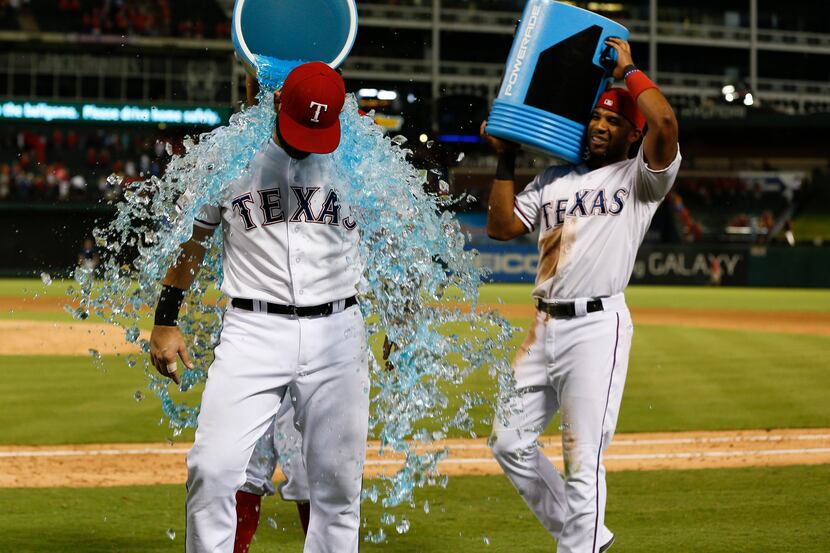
(315, 141)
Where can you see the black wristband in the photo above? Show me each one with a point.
(506, 168)
(167, 310)
(630, 68)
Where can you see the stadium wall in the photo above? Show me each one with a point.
(686, 264)
(49, 237)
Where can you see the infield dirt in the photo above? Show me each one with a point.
(100, 465)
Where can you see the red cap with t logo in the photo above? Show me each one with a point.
(311, 101)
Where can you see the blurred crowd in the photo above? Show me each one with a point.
(181, 18)
(68, 165)
(141, 17)
(711, 205)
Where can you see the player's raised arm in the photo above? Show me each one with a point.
(660, 142)
(166, 341)
(502, 221)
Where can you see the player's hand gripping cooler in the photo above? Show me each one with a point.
(558, 66)
(292, 31)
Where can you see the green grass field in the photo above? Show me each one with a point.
(731, 379)
(809, 226)
(777, 510)
(678, 379)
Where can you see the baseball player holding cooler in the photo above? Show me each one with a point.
(591, 218)
(293, 331)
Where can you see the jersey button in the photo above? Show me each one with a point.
(300, 292)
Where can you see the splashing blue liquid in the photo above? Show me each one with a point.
(419, 287)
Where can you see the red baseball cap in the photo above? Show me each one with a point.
(311, 101)
(620, 101)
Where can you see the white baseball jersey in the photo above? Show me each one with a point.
(591, 224)
(287, 238)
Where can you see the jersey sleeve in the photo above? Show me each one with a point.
(527, 203)
(653, 185)
(209, 217)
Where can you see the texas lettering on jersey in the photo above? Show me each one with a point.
(269, 201)
(584, 203)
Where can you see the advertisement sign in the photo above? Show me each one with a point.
(691, 264)
(509, 263)
(79, 112)
(655, 264)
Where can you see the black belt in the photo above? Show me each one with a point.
(563, 310)
(278, 309)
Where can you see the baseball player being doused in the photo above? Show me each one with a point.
(591, 220)
(292, 331)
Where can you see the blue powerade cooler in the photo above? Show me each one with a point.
(558, 67)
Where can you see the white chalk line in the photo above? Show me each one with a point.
(663, 441)
(475, 460)
(635, 456)
(90, 453)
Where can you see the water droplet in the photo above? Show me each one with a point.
(132, 334)
(486, 540)
(403, 526)
(387, 519)
(426, 507)
(171, 533)
(138, 396)
(95, 354)
(46, 279)
(430, 144)
(79, 313)
(443, 186)
(460, 158)
(399, 140)
(271, 522)
(168, 148)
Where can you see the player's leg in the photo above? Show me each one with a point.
(513, 441)
(248, 507)
(244, 388)
(592, 361)
(258, 483)
(281, 443)
(331, 397)
(288, 442)
(514, 446)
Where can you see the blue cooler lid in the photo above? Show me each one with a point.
(294, 30)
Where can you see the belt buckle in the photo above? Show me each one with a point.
(294, 311)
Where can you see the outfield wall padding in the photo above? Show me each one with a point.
(48, 237)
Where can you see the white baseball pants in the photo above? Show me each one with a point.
(281, 443)
(320, 365)
(577, 366)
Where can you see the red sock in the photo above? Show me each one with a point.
(247, 519)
